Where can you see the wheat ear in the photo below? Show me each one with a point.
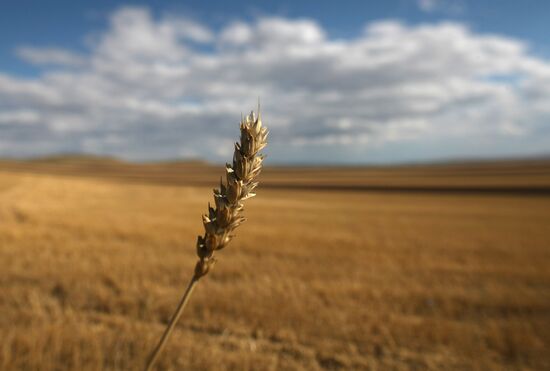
(226, 216)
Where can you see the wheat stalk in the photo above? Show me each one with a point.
(226, 216)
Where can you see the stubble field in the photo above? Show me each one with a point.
(395, 270)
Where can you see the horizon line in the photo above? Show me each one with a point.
(437, 161)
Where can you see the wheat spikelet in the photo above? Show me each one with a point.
(240, 184)
(221, 220)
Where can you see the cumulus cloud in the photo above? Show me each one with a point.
(153, 88)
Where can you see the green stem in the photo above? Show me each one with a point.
(172, 323)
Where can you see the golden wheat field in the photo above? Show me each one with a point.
(335, 269)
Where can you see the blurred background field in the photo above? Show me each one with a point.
(408, 267)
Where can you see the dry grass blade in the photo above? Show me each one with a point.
(222, 219)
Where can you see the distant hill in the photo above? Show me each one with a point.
(525, 176)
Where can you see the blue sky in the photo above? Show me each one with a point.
(340, 82)
(68, 23)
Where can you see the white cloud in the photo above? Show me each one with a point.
(19, 117)
(443, 6)
(50, 56)
(164, 87)
(428, 5)
(237, 33)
